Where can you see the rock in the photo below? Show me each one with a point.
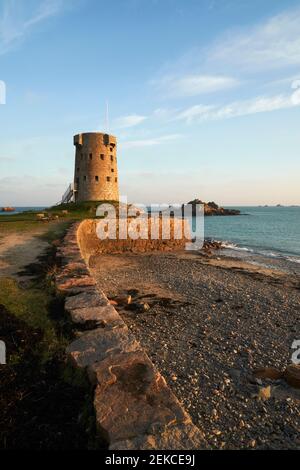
(182, 437)
(104, 316)
(84, 300)
(123, 300)
(139, 306)
(132, 398)
(145, 306)
(292, 375)
(74, 285)
(268, 373)
(211, 208)
(264, 393)
(96, 345)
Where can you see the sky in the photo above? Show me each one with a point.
(203, 96)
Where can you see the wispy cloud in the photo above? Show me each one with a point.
(129, 121)
(234, 58)
(271, 44)
(192, 85)
(6, 159)
(263, 104)
(150, 142)
(18, 18)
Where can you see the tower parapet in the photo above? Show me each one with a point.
(96, 170)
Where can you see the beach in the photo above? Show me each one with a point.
(207, 322)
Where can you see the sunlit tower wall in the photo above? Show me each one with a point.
(96, 171)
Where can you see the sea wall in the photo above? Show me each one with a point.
(169, 236)
(134, 407)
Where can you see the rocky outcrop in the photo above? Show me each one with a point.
(212, 209)
(134, 407)
(7, 209)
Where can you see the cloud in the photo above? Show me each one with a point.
(192, 85)
(18, 18)
(6, 159)
(272, 44)
(150, 142)
(262, 104)
(129, 121)
(29, 190)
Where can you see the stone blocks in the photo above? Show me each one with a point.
(135, 409)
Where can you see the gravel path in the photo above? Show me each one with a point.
(207, 329)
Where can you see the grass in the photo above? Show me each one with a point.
(27, 221)
(45, 404)
(29, 305)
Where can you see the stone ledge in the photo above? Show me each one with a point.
(104, 316)
(96, 345)
(181, 437)
(135, 409)
(88, 299)
(132, 398)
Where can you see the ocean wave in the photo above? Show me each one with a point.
(293, 260)
(268, 254)
(232, 246)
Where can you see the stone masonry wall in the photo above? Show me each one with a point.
(91, 244)
(96, 169)
(135, 409)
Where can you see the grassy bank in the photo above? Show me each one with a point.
(44, 403)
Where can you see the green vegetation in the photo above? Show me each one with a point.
(45, 403)
(27, 221)
(31, 306)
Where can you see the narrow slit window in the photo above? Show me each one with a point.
(102, 156)
(91, 156)
(108, 178)
(112, 170)
(116, 180)
(112, 158)
(84, 178)
(97, 178)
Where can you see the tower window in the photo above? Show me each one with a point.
(112, 170)
(112, 158)
(116, 180)
(84, 178)
(108, 178)
(91, 156)
(97, 178)
(102, 156)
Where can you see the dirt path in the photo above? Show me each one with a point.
(17, 250)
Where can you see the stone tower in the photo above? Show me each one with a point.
(96, 171)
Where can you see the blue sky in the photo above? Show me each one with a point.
(204, 97)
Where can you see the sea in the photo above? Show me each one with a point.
(269, 236)
(264, 235)
(19, 210)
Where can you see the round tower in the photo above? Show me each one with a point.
(96, 171)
